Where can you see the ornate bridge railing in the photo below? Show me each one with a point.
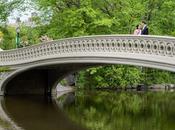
(145, 45)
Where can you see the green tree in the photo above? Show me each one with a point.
(8, 41)
(111, 76)
(78, 17)
(6, 7)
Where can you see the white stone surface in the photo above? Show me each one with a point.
(151, 51)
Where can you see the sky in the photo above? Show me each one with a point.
(24, 15)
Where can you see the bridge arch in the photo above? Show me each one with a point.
(39, 79)
(49, 74)
(149, 51)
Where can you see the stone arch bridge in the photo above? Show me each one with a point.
(37, 69)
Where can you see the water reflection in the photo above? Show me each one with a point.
(36, 113)
(121, 110)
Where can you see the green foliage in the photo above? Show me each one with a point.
(153, 76)
(78, 17)
(82, 80)
(122, 76)
(63, 82)
(4, 69)
(111, 76)
(6, 125)
(29, 35)
(6, 7)
(8, 41)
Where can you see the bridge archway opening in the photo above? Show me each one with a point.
(42, 79)
(39, 80)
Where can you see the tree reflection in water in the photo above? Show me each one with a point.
(106, 110)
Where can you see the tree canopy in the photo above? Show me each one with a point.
(78, 17)
(6, 7)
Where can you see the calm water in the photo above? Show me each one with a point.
(37, 113)
(95, 110)
(121, 110)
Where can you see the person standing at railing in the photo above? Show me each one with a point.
(17, 37)
(144, 28)
(138, 30)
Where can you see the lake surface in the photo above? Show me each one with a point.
(94, 110)
(37, 113)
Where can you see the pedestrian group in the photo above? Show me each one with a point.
(141, 29)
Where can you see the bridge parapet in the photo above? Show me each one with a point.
(70, 47)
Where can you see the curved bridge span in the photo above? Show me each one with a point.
(66, 55)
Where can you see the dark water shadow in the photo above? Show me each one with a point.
(37, 113)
